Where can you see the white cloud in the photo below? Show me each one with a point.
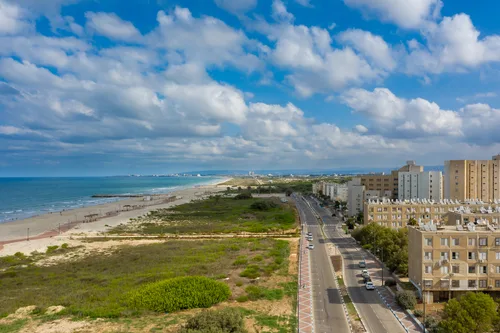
(361, 128)
(373, 47)
(332, 26)
(12, 18)
(398, 117)
(305, 3)
(236, 6)
(452, 45)
(280, 13)
(111, 26)
(406, 14)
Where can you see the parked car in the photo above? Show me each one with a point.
(366, 279)
(309, 234)
(310, 247)
(362, 264)
(369, 286)
(364, 273)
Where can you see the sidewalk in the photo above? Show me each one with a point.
(305, 303)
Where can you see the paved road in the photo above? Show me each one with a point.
(376, 316)
(328, 310)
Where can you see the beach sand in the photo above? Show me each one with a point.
(57, 228)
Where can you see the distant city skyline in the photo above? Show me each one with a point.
(132, 87)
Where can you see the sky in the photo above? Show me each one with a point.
(103, 87)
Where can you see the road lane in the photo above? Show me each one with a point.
(329, 313)
(376, 316)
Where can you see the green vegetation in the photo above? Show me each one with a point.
(470, 313)
(217, 215)
(220, 321)
(52, 248)
(350, 307)
(393, 244)
(95, 286)
(251, 272)
(406, 299)
(14, 326)
(390, 282)
(240, 261)
(276, 324)
(257, 292)
(180, 293)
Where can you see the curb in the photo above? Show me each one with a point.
(343, 303)
(390, 308)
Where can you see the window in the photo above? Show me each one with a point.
(428, 283)
(497, 255)
(472, 255)
(455, 242)
(497, 270)
(444, 269)
(455, 283)
(444, 256)
(472, 242)
(428, 242)
(482, 283)
(428, 256)
(483, 269)
(472, 284)
(472, 269)
(483, 255)
(497, 241)
(455, 256)
(444, 241)
(483, 241)
(455, 269)
(428, 269)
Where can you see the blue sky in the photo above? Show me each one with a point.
(106, 87)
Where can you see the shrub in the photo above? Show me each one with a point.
(431, 323)
(263, 205)
(20, 255)
(390, 282)
(406, 299)
(240, 261)
(243, 196)
(418, 313)
(52, 248)
(256, 293)
(179, 294)
(220, 321)
(242, 298)
(258, 258)
(239, 283)
(64, 246)
(251, 272)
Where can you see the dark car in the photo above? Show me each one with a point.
(367, 279)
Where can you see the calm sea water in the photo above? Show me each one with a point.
(25, 197)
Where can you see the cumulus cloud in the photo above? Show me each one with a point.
(408, 14)
(111, 26)
(236, 6)
(12, 18)
(452, 45)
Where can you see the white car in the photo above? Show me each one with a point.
(310, 246)
(369, 286)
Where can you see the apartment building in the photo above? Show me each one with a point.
(472, 179)
(420, 185)
(448, 261)
(355, 198)
(396, 214)
(334, 191)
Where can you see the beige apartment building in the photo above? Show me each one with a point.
(448, 261)
(472, 179)
(396, 214)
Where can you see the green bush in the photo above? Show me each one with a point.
(390, 282)
(240, 261)
(257, 258)
(251, 272)
(256, 293)
(242, 299)
(20, 255)
(179, 294)
(239, 283)
(406, 299)
(64, 246)
(418, 313)
(52, 248)
(220, 321)
(263, 205)
(243, 196)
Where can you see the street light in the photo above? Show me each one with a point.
(382, 263)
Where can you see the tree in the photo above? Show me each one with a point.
(360, 218)
(288, 192)
(239, 188)
(226, 320)
(412, 221)
(406, 299)
(217, 199)
(228, 189)
(470, 313)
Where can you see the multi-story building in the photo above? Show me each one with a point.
(472, 179)
(355, 197)
(396, 214)
(336, 191)
(448, 261)
(420, 185)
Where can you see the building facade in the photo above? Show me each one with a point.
(472, 179)
(355, 198)
(396, 214)
(448, 261)
(420, 185)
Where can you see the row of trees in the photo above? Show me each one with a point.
(390, 245)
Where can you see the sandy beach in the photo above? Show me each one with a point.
(57, 228)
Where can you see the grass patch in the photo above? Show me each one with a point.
(216, 215)
(15, 326)
(94, 286)
(341, 282)
(350, 307)
(256, 292)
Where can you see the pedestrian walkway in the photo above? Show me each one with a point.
(305, 302)
(388, 298)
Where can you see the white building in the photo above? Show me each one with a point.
(420, 185)
(336, 191)
(355, 196)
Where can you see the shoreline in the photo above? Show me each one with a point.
(97, 218)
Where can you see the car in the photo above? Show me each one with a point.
(369, 286)
(362, 264)
(310, 239)
(365, 273)
(366, 279)
(309, 234)
(310, 246)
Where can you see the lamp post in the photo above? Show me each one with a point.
(382, 252)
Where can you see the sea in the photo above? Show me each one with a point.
(21, 198)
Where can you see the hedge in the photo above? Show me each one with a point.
(406, 299)
(179, 294)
